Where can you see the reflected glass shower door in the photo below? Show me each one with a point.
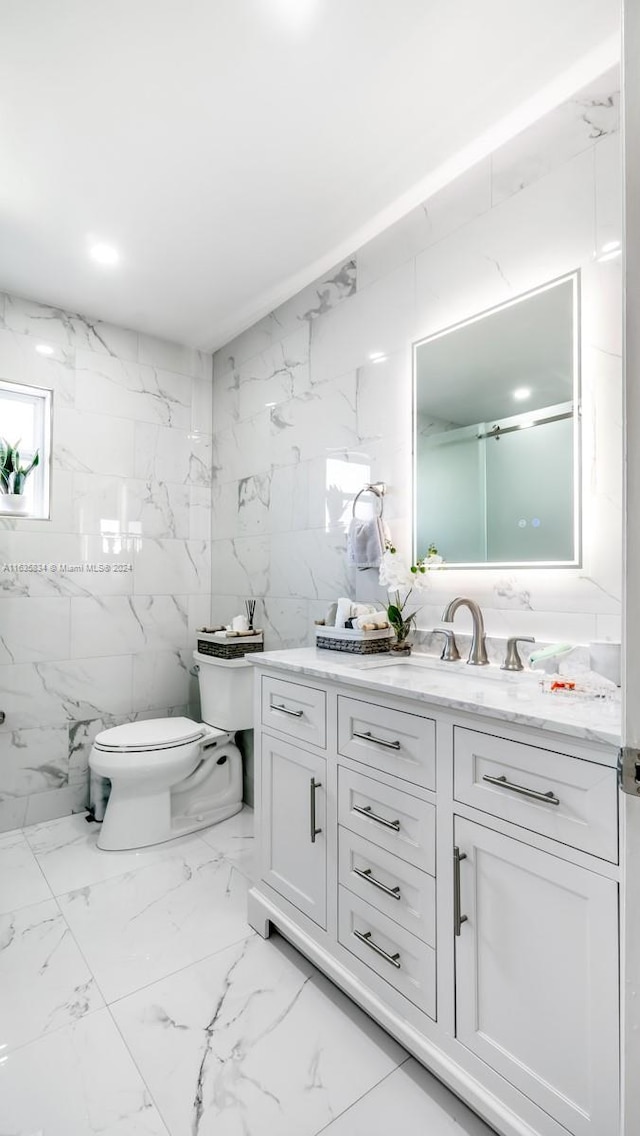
(530, 493)
(451, 470)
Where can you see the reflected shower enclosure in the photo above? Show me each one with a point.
(496, 434)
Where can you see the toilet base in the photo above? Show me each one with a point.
(135, 821)
(182, 826)
(139, 817)
(112, 840)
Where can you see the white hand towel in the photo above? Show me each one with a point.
(343, 611)
(365, 542)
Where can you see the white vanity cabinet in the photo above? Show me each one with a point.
(459, 878)
(536, 968)
(293, 849)
(292, 835)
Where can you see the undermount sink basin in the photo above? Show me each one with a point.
(460, 670)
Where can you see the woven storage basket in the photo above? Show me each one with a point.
(354, 642)
(229, 648)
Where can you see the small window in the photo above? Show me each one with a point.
(25, 425)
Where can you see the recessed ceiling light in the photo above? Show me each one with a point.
(522, 393)
(295, 14)
(104, 254)
(45, 349)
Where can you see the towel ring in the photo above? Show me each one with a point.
(378, 490)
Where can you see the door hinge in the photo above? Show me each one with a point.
(629, 770)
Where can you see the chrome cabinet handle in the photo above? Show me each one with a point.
(365, 810)
(365, 937)
(286, 710)
(365, 874)
(313, 831)
(549, 798)
(458, 918)
(369, 737)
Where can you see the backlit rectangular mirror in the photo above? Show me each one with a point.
(496, 434)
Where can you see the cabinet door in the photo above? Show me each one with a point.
(294, 845)
(537, 976)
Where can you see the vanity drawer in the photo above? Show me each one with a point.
(565, 798)
(400, 890)
(404, 825)
(392, 740)
(396, 955)
(296, 710)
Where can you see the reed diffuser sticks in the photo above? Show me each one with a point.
(250, 607)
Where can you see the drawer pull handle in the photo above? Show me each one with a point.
(458, 918)
(365, 810)
(365, 937)
(285, 710)
(549, 798)
(313, 831)
(365, 874)
(369, 737)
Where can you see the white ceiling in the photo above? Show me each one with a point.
(232, 150)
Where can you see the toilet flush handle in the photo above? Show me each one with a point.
(195, 670)
(210, 738)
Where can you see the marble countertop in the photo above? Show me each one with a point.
(515, 698)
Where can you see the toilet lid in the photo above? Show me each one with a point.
(153, 733)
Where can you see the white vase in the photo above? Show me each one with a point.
(14, 503)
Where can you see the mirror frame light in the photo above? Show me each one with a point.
(576, 562)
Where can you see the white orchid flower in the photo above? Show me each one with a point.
(396, 576)
(394, 572)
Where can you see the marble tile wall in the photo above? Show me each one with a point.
(316, 398)
(131, 491)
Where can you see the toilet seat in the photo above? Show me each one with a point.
(154, 734)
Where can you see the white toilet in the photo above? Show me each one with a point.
(172, 776)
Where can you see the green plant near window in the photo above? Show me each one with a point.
(13, 476)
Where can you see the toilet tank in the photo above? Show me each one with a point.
(226, 692)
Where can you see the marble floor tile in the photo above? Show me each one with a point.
(44, 981)
(234, 840)
(21, 881)
(142, 926)
(221, 1033)
(79, 1081)
(409, 1101)
(253, 1040)
(69, 857)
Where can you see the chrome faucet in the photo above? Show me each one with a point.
(478, 652)
(450, 652)
(512, 661)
